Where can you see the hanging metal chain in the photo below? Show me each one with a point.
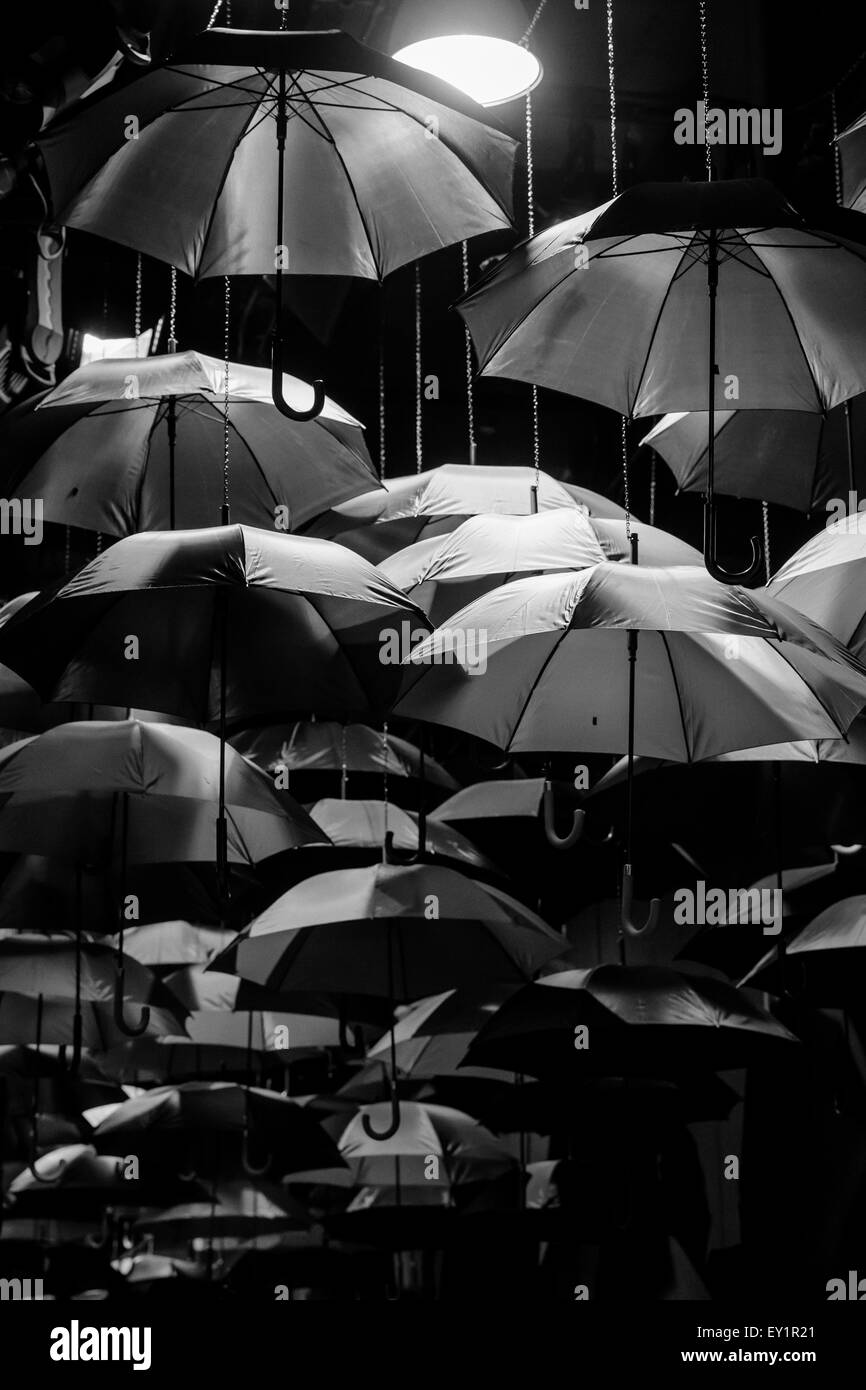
(705, 84)
(419, 441)
(385, 788)
(226, 327)
(530, 168)
(138, 305)
(524, 42)
(530, 199)
(611, 87)
(470, 392)
(614, 186)
(284, 15)
(172, 313)
(67, 550)
(382, 455)
(652, 504)
(216, 9)
(626, 499)
(837, 158)
(766, 515)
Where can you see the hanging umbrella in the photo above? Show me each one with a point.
(21, 710)
(823, 962)
(361, 826)
(90, 791)
(681, 297)
(321, 756)
(345, 161)
(434, 503)
(514, 815)
(823, 579)
(209, 988)
(852, 150)
(564, 671)
(179, 1122)
(302, 620)
(556, 662)
(39, 890)
(815, 785)
(164, 418)
(169, 946)
(236, 1211)
(331, 933)
(648, 1021)
(784, 456)
(398, 932)
(444, 573)
(465, 1152)
(74, 1180)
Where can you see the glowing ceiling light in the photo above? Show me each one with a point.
(95, 349)
(476, 45)
(489, 70)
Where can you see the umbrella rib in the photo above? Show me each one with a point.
(658, 319)
(232, 152)
(800, 676)
(214, 86)
(680, 707)
(338, 645)
(535, 684)
(777, 287)
(524, 318)
(147, 456)
(355, 199)
(218, 416)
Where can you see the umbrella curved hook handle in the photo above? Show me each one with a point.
(31, 1164)
(603, 840)
(391, 1129)
(625, 917)
(246, 1163)
(37, 1176)
(711, 562)
(132, 1030)
(577, 823)
(277, 390)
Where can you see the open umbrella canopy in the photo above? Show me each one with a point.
(75, 1178)
(321, 756)
(444, 573)
(200, 1110)
(779, 456)
(462, 1149)
(612, 305)
(824, 580)
(399, 932)
(40, 889)
(363, 825)
(166, 946)
(94, 790)
(824, 962)
(141, 623)
(98, 448)
(717, 667)
(627, 1020)
(383, 163)
(435, 502)
(814, 787)
(234, 1210)
(852, 150)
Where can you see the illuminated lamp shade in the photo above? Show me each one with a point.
(473, 44)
